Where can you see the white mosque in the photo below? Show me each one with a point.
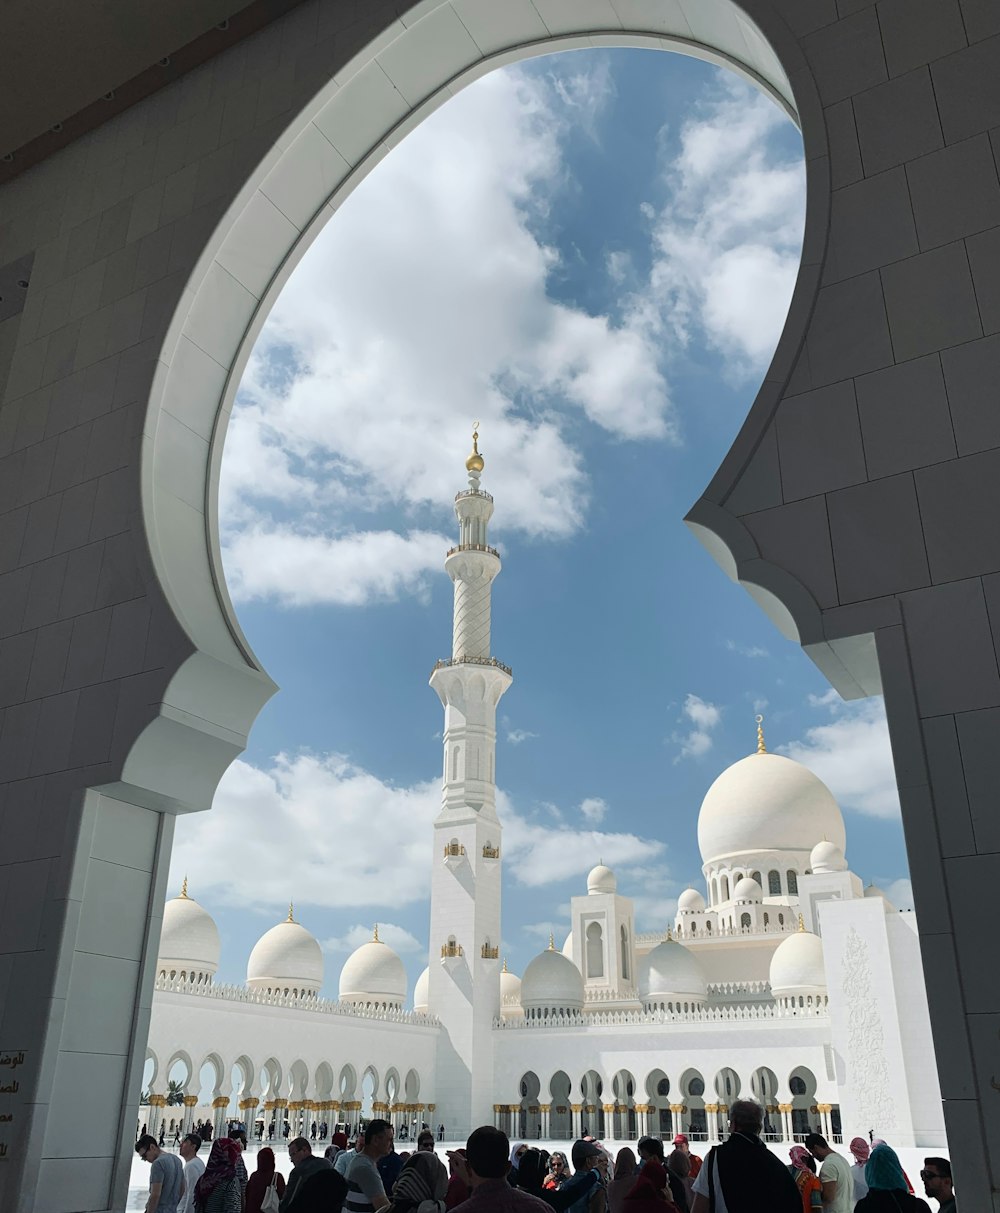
(786, 980)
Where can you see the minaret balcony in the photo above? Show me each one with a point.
(490, 662)
(490, 851)
(451, 953)
(490, 952)
(454, 853)
(472, 547)
(473, 493)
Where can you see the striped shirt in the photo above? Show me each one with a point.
(365, 1192)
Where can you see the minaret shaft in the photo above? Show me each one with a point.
(464, 979)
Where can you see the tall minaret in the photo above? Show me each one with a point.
(464, 990)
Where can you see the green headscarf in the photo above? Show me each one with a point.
(883, 1170)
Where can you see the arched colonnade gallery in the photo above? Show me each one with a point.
(160, 181)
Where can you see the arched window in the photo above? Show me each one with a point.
(781, 920)
(663, 1086)
(793, 881)
(708, 928)
(737, 877)
(715, 891)
(595, 950)
(696, 1087)
(767, 919)
(774, 883)
(454, 761)
(625, 969)
(745, 922)
(724, 888)
(756, 876)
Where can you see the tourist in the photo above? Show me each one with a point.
(166, 1175)
(834, 1174)
(532, 1175)
(440, 1132)
(324, 1193)
(390, 1165)
(887, 1185)
(218, 1190)
(586, 1184)
(425, 1141)
(484, 1168)
(304, 1167)
(648, 1194)
(938, 1184)
(163, 1135)
(678, 1166)
(803, 1171)
(558, 1171)
(743, 1173)
(515, 1160)
(681, 1143)
(422, 1185)
(458, 1188)
(177, 1135)
(266, 1176)
(365, 1191)
(651, 1149)
(622, 1180)
(861, 1150)
(194, 1169)
(239, 1135)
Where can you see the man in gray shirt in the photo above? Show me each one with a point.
(166, 1176)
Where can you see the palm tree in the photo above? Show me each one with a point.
(175, 1093)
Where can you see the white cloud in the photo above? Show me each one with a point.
(398, 938)
(296, 569)
(852, 755)
(517, 736)
(727, 243)
(704, 716)
(747, 650)
(278, 833)
(593, 808)
(422, 306)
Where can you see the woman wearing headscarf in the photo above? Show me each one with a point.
(887, 1185)
(421, 1185)
(261, 1180)
(648, 1193)
(679, 1177)
(516, 1153)
(558, 1171)
(218, 1190)
(622, 1181)
(861, 1151)
(803, 1170)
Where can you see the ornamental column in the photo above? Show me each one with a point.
(464, 979)
(576, 1109)
(786, 1121)
(544, 1110)
(157, 1103)
(676, 1114)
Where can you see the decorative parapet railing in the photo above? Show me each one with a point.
(320, 1006)
(651, 938)
(645, 1018)
(629, 995)
(472, 547)
(490, 953)
(487, 661)
(739, 989)
(473, 493)
(490, 851)
(450, 950)
(453, 850)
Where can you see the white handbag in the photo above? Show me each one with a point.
(270, 1202)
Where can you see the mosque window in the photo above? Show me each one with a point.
(595, 950)
(454, 761)
(696, 1087)
(797, 1085)
(767, 919)
(745, 922)
(724, 888)
(663, 1086)
(624, 954)
(793, 881)
(756, 876)
(708, 928)
(737, 877)
(774, 883)
(781, 920)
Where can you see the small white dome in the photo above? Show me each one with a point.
(551, 982)
(189, 940)
(827, 857)
(510, 985)
(601, 880)
(691, 900)
(373, 974)
(286, 958)
(671, 971)
(567, 948)
(421, 992)
(797, 965)
(748, 889)
(767, 803)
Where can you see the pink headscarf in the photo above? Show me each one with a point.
(799, 1156)
(860, 1149)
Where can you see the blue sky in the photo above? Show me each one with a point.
(592, 254)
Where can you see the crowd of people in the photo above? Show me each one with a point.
(739, 1176)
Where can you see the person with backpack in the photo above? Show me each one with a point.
(742, 1175)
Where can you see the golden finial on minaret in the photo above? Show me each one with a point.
(552, 942)
(375, 938)
(184, 886)
(802, 923)
(475, 461)
(761, 747)
(504, 969)
(291, 913)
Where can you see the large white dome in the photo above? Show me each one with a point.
(671, 971)
(189, 940)
(797, 966)
(421, 992)
(767, 803)
(373, 974)
(552, 983)
(286, 958)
